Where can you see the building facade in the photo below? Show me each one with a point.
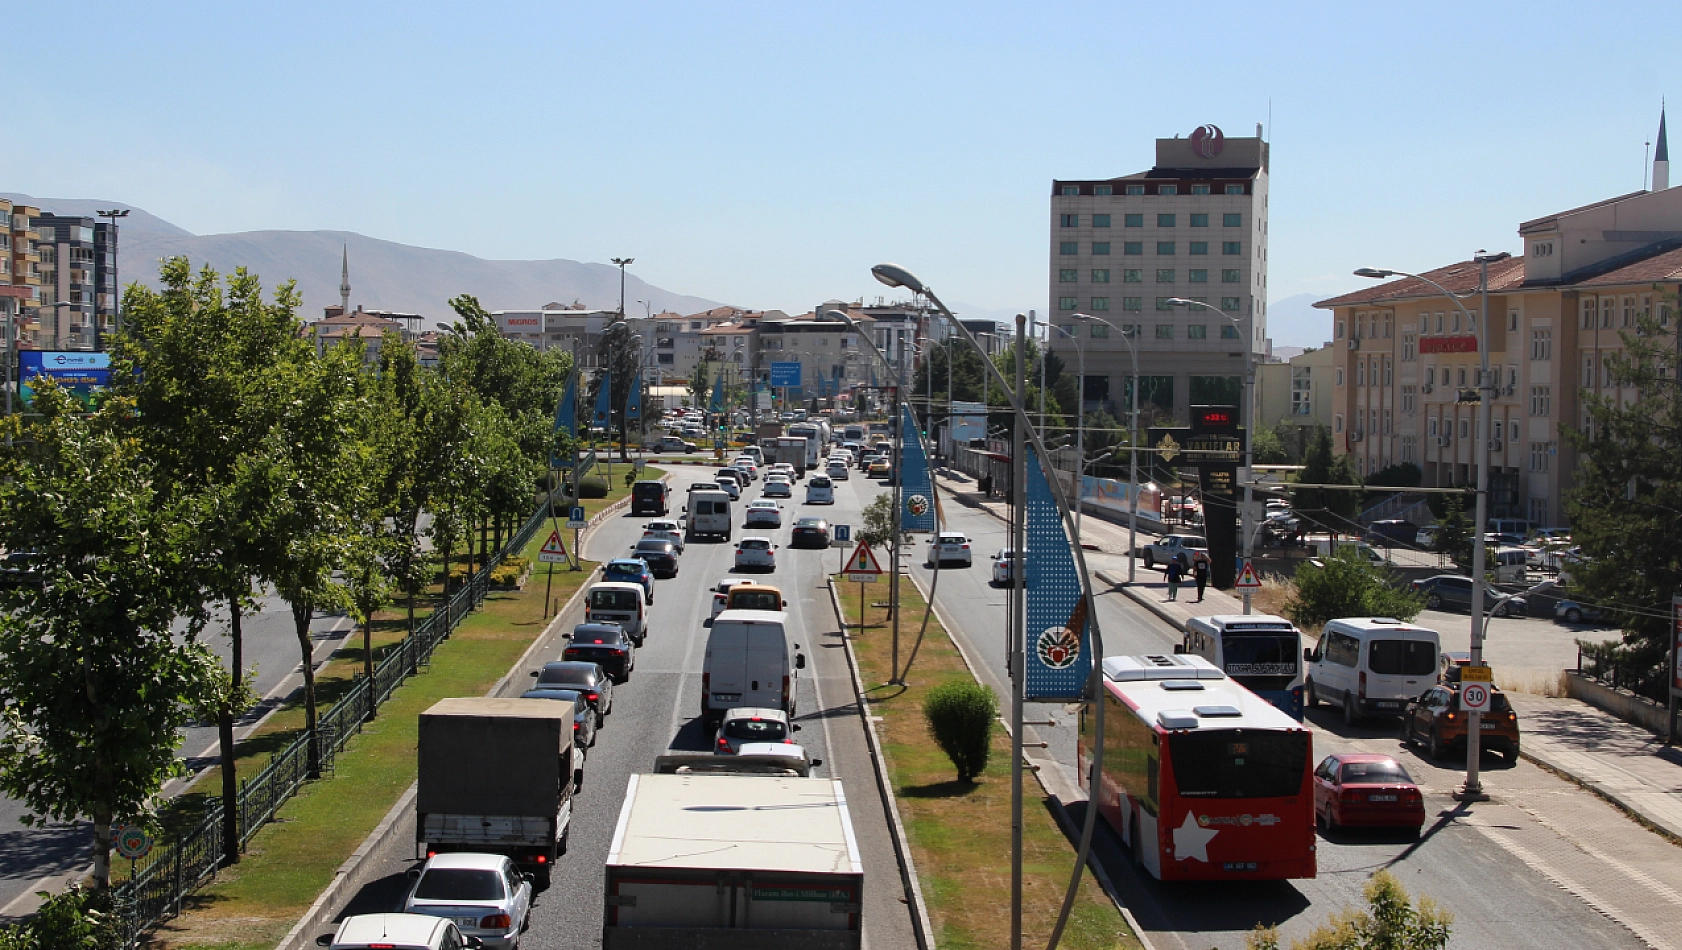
(78, 289)
(20, 277)
(1193, 226)
(1297, 392)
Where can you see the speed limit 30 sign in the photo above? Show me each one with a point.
(1474, 697)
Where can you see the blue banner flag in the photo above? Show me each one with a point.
(604, 401)
(566, 421)
(633, 401)
(718, 394)
(916, 509)
(1059, 647)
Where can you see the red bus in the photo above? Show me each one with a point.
(1203, 779)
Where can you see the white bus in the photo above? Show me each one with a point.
(1262, 653)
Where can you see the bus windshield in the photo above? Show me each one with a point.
(1260, 655)
(1238, 763)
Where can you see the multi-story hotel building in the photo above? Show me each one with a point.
(1193, 226)
(1407, 360)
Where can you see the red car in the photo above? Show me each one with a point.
(1365, 790)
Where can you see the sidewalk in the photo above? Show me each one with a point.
(1621, 762)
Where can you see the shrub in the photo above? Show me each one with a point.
(593, 486)
(1389, 921)
(1348, 586)
(960, 716)
(78, 919)
(509, 572)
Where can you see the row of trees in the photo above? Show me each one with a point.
(232, 454)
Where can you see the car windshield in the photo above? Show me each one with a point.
(755, 730)
(1235, 763)
(459, 884)
(1402, 657)
(1373, 773)
(613, 599)
(755, 544)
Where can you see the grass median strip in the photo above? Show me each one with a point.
(960, 833)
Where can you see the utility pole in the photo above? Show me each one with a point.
(116, 285)
(898, 419)
(1018, 632)
(622, 262)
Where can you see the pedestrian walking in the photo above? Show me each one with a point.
(986, 486)
(1200, 573)
(1176, 574)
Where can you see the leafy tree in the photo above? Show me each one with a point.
(1269, 448)
(1332, 509)
(619, 353)
(523, 383)
(1454, 530)
(95, 683)
(77, 919)
(1390, 921)
(878, 521)
(1348, 586)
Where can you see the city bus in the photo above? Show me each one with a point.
(1262, 652)
(1202, 779)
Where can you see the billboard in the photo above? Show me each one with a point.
(969, 422)
(83, 374)
(785, 374)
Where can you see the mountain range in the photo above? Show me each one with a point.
(384, 275)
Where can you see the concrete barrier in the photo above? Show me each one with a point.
(1621, 703)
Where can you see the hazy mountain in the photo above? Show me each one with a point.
(384, 275)
(1294, 321)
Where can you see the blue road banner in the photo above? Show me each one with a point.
(604, 401)
(1059, 648)
(916, 492)
(633, 401)
(717, 404)
(566, 420)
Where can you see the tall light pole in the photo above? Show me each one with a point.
(1472, 790)
(116, 285)
(1079, 490)
(622, 262)
(1249, 417)
(1132, 448)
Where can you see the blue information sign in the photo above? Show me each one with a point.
(83, 374)
(785, 374)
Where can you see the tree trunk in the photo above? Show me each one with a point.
(301, 614)
(102, 850)
(225, 741)
(368, 651)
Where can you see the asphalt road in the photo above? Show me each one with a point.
(1495, 867)
(657, 710)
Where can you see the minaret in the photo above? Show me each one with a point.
(343, 274)
(1661, 157)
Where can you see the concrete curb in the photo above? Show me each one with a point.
(352, 874)
(902, 847)
(1070, 830)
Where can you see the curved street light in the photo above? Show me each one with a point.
(1132, 448)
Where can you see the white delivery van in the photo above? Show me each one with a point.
(1370, 665)
(1509, 565)
(620, 603)
(749, 662)
(708, 514)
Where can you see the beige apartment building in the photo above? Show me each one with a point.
(1297, 392)
(20, 278)
(1404, 386)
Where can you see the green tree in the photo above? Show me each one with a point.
(959, 714)
(1390, 921)
(619, 353)
(96, 684)
(1348, 585)
(1454, 530)
(1332, 509)
(878, 521)
(77, 919)
(1269, 449)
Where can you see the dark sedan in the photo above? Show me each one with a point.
(583, 716)
(810, 533)
(604, 644)
(1452, 590)
(660, 556)
(591, 681)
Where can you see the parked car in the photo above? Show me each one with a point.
(584, 726)
(810, 532)
(1003, 564)
(1392, 533)
(484, 894)
(762, 513)
(1571, 611)
(604, 644)
(1174, 547)
(396, 931)
(949, 547)
(751, 724)
(1452, 590)
(660, 556)
(631, 570)
(664, 531)
(1437, 721)
(589, 679)
(21, 569)
(779, 486)
(1366, 790)
(1426, 538)
(820, 490)
(756, 553)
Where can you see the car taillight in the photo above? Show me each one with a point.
(541, 859)
(724, 743)
(617, 651)
(706, 688)
(431, 854)
(1361, 689)
(592, 697)
(496, 922)
(576, 726)
(1351, 795)
(1450, 716)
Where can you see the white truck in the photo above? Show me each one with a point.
(798, 451)
(733, 861)
(1174, 547)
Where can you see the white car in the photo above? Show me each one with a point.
(836, 470)
(664, 531)
(400, 931)
(763, 514)
(820, 491)
(757, 553)
(781, 468)
(778, 486)
(751, 724)
(1002, 567)
(484, 894)
(747, 464)
(729, 487)
(949, 547)
(721, 594)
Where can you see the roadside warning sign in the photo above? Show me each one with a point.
(554, 550)
(1248, 579)
(862, 565)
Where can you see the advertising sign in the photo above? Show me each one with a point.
(83, 374)
(785, 374)
(969, 422)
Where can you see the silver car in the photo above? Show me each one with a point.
(752, 724)
(484, 894)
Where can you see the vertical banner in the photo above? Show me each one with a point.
(633, 400)
(1059, 651)
(566, 420)
(916, 507)
(717, 404)
(604, 401)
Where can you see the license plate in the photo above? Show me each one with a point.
(1239, 866)
(1387, 705)
(1487, 725)
(467, 923)
(727, 697)
(1381, 798)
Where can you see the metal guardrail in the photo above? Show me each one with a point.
(162, 881)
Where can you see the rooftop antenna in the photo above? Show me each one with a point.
(1646, 149)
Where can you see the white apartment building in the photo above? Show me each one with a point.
(1193, 226)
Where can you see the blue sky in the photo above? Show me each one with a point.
(767, 154)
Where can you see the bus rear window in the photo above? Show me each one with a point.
(1402, 657)
(1238, 763)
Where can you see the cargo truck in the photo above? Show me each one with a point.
(733, 862)
(523, 806)
(797, 451)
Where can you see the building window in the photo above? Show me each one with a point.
(1133, 303)
(1539, 457)
(1101, 249)
(1361, 373)
(1067, 303)
(1133, 247)
(1302, 393)
(1541, 400)
(1101, 276)
(1235, 189)
(1431, 430)
(1232, 275)
(1071, 190)
(1100, 303)
(1068, 275)
(1130, 330)
(1200, 220)
(1165, 248)
(1165, 275)
(1197, 276)
(1629, 311)
(1135, 189)
(1232, 304)
(1232, 248)
(1199, 189)
(1164, 220)
(1132, 275)
(1101, 331)
(1100, 220)
(1197, 331)
(1541, 344)
(1538, 509)
(1163, 304)
(1407, 399)
(1229, 332)
(1337, 420)
(1167, 189)
(1588, 314)
(1068, 248)
(1133, 220)
(1339, 380)
(1102, 190)
(1070, 220)
(1606, 307)
(1164, 331)
(1409, 348)
(1200, 247)
(1462, 376)
(1512, 320)
(1386, 422)
(1232, 220)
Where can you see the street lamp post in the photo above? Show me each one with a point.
(1472, 790)
(116, 285)
(1132, 449)
(1249, 418)
(1080, 418)
(622, 262)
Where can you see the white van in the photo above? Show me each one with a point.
(1370, 665)
(757, 454)
(1509, 564)
(749, 663)
(708, 513)
(620, 603)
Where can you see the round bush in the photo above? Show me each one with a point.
(960, 716)
(593, 486)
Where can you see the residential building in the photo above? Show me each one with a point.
(731, 344)
(78, 290)
(369, 326)
(20, 279)
(1296, 392)
(679, 345)
(832, 357)
(1192, 226)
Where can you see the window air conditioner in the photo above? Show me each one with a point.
(1426, 388)
(1357, 435)
(1354, 344)
(1444, 440)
